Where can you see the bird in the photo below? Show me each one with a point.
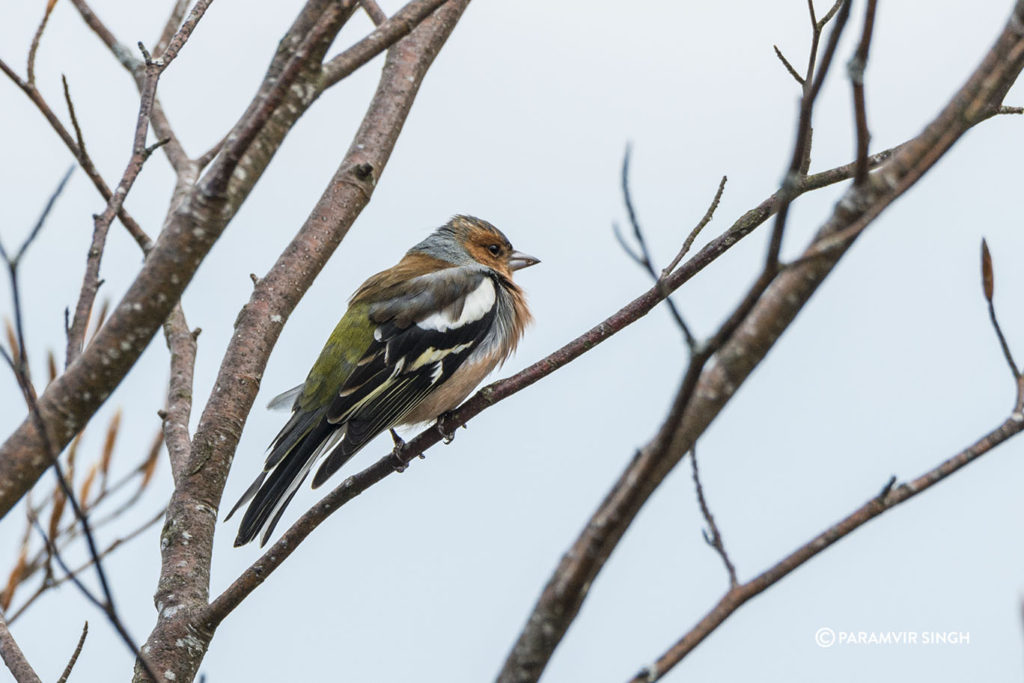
(415, 341)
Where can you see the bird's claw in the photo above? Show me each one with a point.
(397, 451)
(448, 436)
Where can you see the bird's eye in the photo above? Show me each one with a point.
(494, 249)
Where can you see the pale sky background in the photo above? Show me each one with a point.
(522, 121)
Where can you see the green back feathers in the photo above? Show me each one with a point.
(346, 346)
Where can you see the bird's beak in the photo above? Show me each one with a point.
(519, 260)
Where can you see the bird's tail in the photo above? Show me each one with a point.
(306, 438)
(303, 441)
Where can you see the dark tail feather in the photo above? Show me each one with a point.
(356, 436)
(272, 491)
(247, 496)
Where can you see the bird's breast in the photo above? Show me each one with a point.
(454, 390)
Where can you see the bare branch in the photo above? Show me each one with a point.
(14, 658)
(83, 159)
(182, 345)
(891, 496)
(101, 222)
(34, 47)
(171, 27)
(855, 69)
(688, 242)
(195, 224)
(258, 326)
(242, 136)
(712, 535)
(789, 67)
(140, 153)
(74, 118)
(643, 259)
(988, 287)
(138, 69)
(801, 150)
(74, 655)
(502, 389)
(386, 35)
(747, 345)
(374, 11)
(52, 453)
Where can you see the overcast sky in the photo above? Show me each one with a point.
(522, 121)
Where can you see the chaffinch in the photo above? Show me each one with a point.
(416, 339)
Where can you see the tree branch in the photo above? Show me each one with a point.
(77, 152)
(855, 69)
(174, 151)
(140, 153)
(374, 11)
(385, 35)
(14, 658)
(74, 655)
(712, 535)
(747, 346)
(643, 259)
(192, 229)
(19, 368)
(187, 543)
(502, 389)
(891, 496)
(34, 47)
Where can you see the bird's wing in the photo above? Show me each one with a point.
(385, 356)
(416, 347)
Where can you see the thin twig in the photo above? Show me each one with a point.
(170, 27)
(789, 67)
(712, 536)
(141, 72)
(643, 259)
(34, 47)
(891, 496)
(79, 138)
(688, 242)
(988, 289)
(855, 68)
(801, 150)
(29, 394)
(140, 153)
(74, 655)
(103, 604)
(820, 24)
(50, 582)
(84, 160)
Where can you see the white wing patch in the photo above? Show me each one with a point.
(432, 355)
(475, 305)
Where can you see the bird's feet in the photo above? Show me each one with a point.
(398, 451)
(448, 436)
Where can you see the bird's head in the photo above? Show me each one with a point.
(466, 240)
